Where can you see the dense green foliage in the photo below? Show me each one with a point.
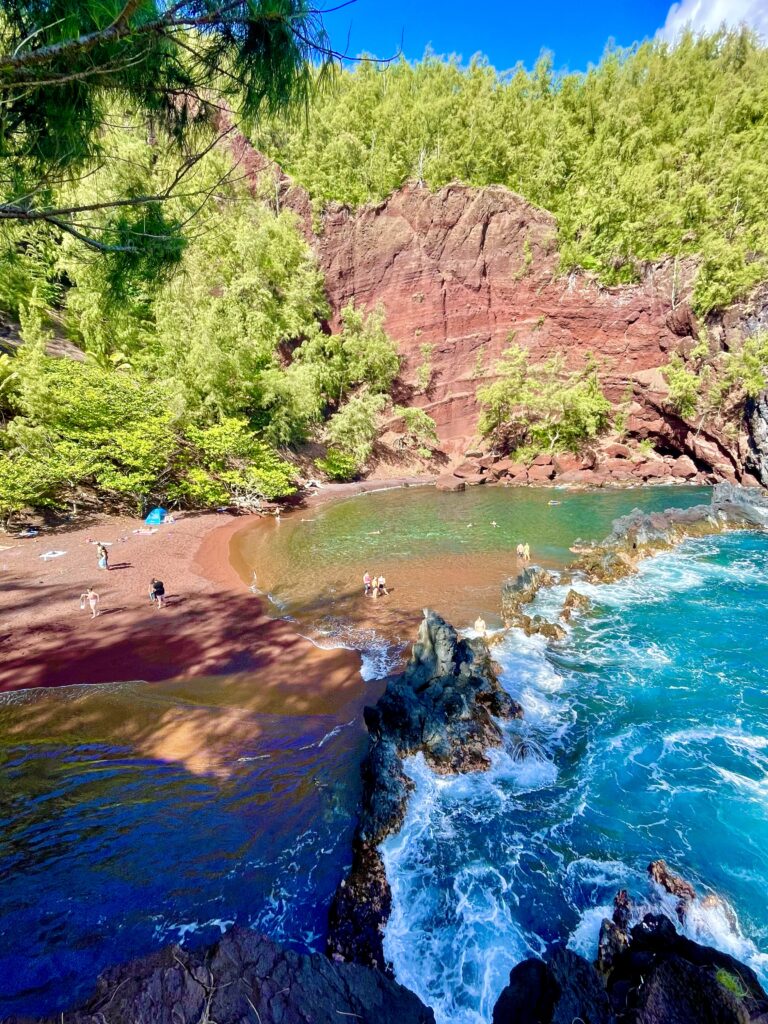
(683, 387)
(658, 151)
(718, 385)
(71, 68)
(188, 387)
(541, 407)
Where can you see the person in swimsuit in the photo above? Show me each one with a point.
(157, 593)
(520, 550)
(103, 556)
(527, 552)
(381, 585)
(92, 598)
(367, 583)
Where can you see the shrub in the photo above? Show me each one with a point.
(338, 465)
(684, 387)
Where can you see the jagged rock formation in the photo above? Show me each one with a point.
(461, 269)
(244, 978)
(646, 974)
(640, 534)
(520, 591)
(444, 705)
(757, 425)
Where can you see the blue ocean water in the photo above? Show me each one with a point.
(110, 850)
(650, 731)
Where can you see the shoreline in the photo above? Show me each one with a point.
(212, 625)
(219, 626)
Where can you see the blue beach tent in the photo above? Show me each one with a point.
(156, 517)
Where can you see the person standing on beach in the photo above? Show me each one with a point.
(381, 586)
(92, 598)
(157, 592)
(527, 552)
(103, 555)
(367, 583)
(520, 551)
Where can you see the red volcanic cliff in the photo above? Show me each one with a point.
(463, 269)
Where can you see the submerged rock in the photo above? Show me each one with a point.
(444, 705)
(244, 978)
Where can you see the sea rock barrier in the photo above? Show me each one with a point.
(633, 538)
(641, 534)
(445, 705)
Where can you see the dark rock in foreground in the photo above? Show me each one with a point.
(444, 705)
(648, 974)
(244, 979)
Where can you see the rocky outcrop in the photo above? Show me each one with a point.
(757, 425)
(646, 974)
(520, 591)
(244, 978)
(445, 705)
(641, 534)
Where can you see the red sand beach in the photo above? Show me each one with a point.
(212, 624)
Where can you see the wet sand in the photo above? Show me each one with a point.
(212, 625)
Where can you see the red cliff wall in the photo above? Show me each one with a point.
(462, 269)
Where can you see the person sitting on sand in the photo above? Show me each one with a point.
(103, 555)
(381, 585)
(367, 583)
(157, 592)
(92, 598)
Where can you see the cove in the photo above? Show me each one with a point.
(119, 837)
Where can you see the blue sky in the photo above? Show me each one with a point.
(508, 31)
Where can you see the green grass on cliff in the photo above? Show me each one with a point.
(658, 151)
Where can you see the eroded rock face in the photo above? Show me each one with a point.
(444, 705)
(244, 978)
(757, 423)
(459, 269)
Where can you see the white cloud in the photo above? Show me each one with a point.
(709, 15)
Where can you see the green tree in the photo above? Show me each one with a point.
(542, 406)
(67, 65)
(353, 429)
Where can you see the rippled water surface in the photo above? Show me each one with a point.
(134, 815)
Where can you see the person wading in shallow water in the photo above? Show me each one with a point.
(367, 582)
(92, 598)
(157, 593)
(381, 585)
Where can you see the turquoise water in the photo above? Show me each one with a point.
(437, 550)
(650, 725)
